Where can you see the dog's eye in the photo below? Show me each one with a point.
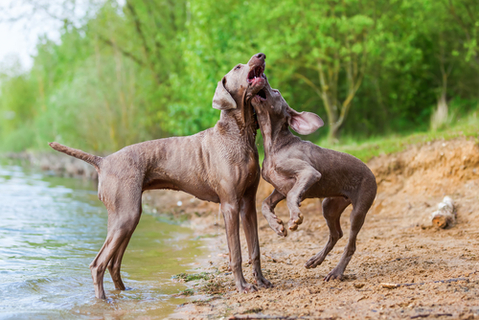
(238, 67)
(275, 91)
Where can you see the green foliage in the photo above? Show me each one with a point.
(465, 126)
(148, 69)
(192, 277)
(187, 292)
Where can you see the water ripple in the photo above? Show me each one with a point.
(51, 229)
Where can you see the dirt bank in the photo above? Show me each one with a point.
(396, 245)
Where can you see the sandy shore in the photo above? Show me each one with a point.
(403, 267)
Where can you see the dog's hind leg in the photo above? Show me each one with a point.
(357, 219)
(124, 213)
(332, 210)
(115, 262)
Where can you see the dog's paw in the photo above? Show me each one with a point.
(293, 226)
(295, 221)
(310, 264)
(334, 275)
(314, 262)
(277, 225)
(280, 229)
(263, 282)
(299, 219)
(247, 288)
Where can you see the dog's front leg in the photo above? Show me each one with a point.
(305, 178)
(250, 227)
(230, 212)
(268, 212)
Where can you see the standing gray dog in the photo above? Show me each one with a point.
(299, 169)
(219, 165)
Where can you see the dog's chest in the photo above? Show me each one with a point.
(269, 173)
(280, 182)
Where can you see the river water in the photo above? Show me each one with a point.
(51, 228)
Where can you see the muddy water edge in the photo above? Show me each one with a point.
(52, 227)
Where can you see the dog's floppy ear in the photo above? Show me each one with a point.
(223, 99)
(304, 122)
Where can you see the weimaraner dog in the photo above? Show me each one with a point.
(300, 169)
(219, 164)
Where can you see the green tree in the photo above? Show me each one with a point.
(325, 45)
(148, 69)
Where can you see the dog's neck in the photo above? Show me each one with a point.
(239, 122)
(275, 133)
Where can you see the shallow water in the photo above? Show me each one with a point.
(51, 229)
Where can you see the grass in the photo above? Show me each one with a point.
(468, 127)
(212, 285)
(192, 277)
(187, 292)
(373, 147)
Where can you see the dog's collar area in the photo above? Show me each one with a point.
(255, 120)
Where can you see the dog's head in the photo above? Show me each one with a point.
(271, 107)
(241, 84)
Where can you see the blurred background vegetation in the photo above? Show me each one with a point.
(146, 69)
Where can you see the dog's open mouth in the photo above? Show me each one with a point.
(259, 97)
(256, 74)
(262, 94)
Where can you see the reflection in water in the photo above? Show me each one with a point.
(51, 229)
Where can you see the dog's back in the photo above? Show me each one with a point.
(341, 175)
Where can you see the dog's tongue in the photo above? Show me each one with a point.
(257, 80)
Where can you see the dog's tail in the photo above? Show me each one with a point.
(90, 158)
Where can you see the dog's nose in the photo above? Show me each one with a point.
(257, 60)
(261, 56)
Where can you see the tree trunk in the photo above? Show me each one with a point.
(440, 116)
(329, 82)
(330, 104)
(333, 135)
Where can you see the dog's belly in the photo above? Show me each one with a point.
(200, 191)
(323, 189)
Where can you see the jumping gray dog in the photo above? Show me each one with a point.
(219, 164)
(299, 169)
